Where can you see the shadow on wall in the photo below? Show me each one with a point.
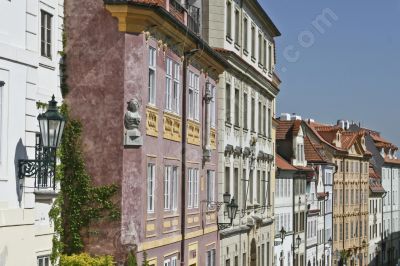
(20, 153)
(3, 256)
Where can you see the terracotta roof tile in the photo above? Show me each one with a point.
(283, 164)
(311, 151)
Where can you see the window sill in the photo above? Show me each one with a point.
(236, 127)
(228, 39)
(260, 65)
(228, 124)
(245, 52)
(253, 59)
(237, 46)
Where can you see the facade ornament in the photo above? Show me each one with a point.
(132, 118)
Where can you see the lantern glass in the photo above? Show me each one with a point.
(226, 197)
(51, 125)
(298, 241)
(232, 209)
(283, 233)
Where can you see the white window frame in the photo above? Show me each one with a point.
(176, 89)
(167, 262)
(210, 187)
(151, 173)
(194, 83)
(152, 83)
(170, 187)
(46, 32)
(41, 260)
(193, 180)
(210, 257)
(167, 188)
(212, 107)
(168, 84)
(174, 261)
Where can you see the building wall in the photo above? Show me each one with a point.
(283, 252)
(391, 212)
(29, 78)
(375, 229)
(122, 74)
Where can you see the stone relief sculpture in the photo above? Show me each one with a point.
(132, 118)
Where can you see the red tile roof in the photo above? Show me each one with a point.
(287, 129)
(311, 151)
(283, 164)
(375, 184)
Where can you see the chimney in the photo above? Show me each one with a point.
(296, 117)
(285, 117)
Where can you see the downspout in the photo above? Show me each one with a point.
(332, 237)
(294, 222)
(360, 204)
(187, 55)
(391, 213)
(382, 224)
(343, 199)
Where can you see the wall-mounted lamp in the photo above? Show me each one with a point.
(51, 124)
(232, 208)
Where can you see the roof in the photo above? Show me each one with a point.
(287, 129)
(375, 184)
(321, 195)
(283, 164)
(311, 151)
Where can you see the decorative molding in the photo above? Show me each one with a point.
(172, 127)
(213, 139)
(152, 121)
(193, 132)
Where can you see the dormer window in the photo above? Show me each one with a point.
(300, 152)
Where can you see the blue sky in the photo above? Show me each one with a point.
(350, 71)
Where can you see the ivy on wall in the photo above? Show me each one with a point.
(79, 203)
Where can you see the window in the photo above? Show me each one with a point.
(152, 75)
(253, 115)
(237, 27)
(228, 19)
(244, 188)
(228, 262)
(43, 261)
(264, 112)
(168, 85)
(173, 261)
(237, 107)
(150, 186)
(347, 231)
(193, 96)
(211, 258)
(271, 54)
(210, 186)
(259, 118)
(253, 41)
(193, 188)
(245, 38)
(260, 40)
(167, 262)
(45, 36)
(236, 261)
(258, 186)
(264, 198)
(245, 111)
(340, 231)
(236, 184)
(228, 103)
(251, 195)
(176, 89)
(269, 122)
(244, 260)
(227, 180)
(212, 107)
(171, 188)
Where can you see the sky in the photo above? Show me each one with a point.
(346, 67)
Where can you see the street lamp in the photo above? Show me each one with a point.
(51, 124)
(232, 208)
(297, 243)
(282, 234)
(226, 197)
(330, 241)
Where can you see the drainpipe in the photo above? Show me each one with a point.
(187, 56)
(360, 204)
(382, 225)
(343, 199)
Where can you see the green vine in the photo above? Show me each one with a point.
(79, 203)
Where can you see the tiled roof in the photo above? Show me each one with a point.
(287, 129)
(283, 164)
(321, 195)
(311, 151)
(375, 184)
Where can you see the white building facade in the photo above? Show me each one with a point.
(30, 42)
(244, 35)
